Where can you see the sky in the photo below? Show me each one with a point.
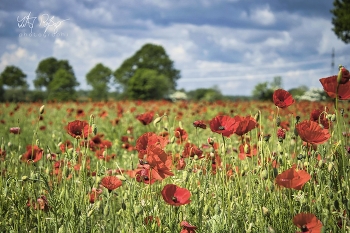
(229, 44)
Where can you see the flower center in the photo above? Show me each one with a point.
(221, 127)
(174, 199)
(304, 228)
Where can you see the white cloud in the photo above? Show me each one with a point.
(262, 15)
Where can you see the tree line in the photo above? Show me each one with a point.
(148, 74)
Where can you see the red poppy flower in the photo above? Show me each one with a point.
(111, 182)
(245, 150)
(281, 133)
(307, 223)
(181, 134)
(187, 228)
(33, 154)
(40, 204)
(190, 150)
(79, 129)
(145, 118)
(2, 155)
(330, 87)
(94, 194)
(150, 219)
(199, 124)
(282, 98)
(176, 196)
(159, 161)
(317, 116)
(292, 178)
(97, 143)
(245, 124)
(312, 132)
(15, 130)
(145, 175)
(66, 145)
(149, 138)
(223, 125)
(181, 164)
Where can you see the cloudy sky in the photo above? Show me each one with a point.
(231, 44)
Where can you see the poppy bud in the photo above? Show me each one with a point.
(172, 139)
(157, 120)
(120, 177)
(37, 142)
(297, 118)
(180, 125)
(106, 210)
(223, 149)
(41, 110)
(265, 211)
(278, 121)
(212, 155)
(296, 132)
(267, 138)
(257, 116)
(270, 229)
(264, 174)
(330, 167)
(333, 117)
(210, 141)
(137, 210)
(94, 129)
(246, 149)
(320, 163)
(343, 75)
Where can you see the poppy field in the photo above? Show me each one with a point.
(156, 166)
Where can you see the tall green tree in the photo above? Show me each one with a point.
(13, 77)
(62, 86)
(46, 70)
(264, 91)
(341, 19)
(151, 57)
(99, 77)
(147, 84)
(16, 85)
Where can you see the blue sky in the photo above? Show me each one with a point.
(231, 44)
